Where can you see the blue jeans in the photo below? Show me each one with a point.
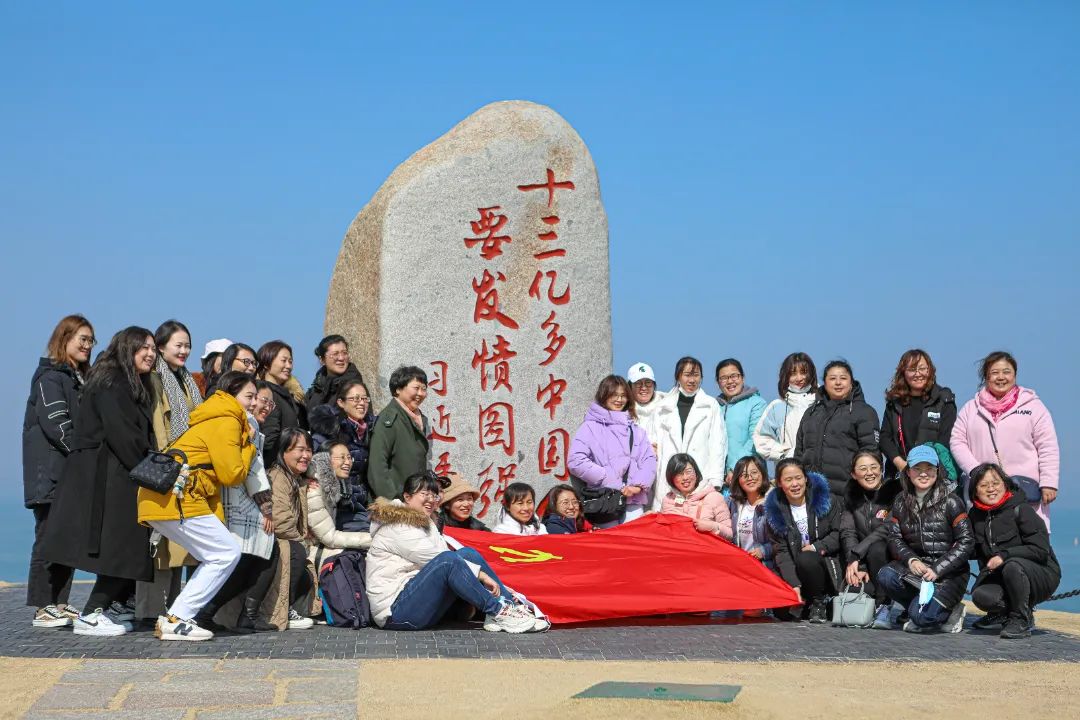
(426, 598)
(924, 616)
(477, 559)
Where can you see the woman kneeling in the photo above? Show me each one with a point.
(413, 577)
(1017, 566)
(930, 534)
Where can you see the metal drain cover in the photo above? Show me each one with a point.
(661, 691)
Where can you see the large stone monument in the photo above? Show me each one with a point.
(483, 259)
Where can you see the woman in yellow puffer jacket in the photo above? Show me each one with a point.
(219, 449)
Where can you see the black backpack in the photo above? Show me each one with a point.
(342, 590)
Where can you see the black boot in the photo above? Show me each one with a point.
(1019, 623)
(249, 620)
(205, 619)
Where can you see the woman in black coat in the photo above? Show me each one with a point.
(94, 520)
(918, 411)
(930, 537)
(864, 528)
(349, 420)
(836, 426)
(275, 367)
(803, 525)
(337, 369)
(1017, 566)
(48, 427)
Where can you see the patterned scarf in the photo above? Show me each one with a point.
(178, 403)
(998, 406)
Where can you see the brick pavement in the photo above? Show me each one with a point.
(670, 639)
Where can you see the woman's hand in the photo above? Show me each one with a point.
(809, 548)
(900, 463)
(705, 526)
(918, 567)
(313, 484)
(630, 491)
(994, 563)
(268, 524)
(1049, 495)
(852, 576)
(798, 594)
(756, 553)
(487, 582)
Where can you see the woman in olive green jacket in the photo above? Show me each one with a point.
(399, 441)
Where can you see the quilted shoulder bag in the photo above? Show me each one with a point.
(158, 470)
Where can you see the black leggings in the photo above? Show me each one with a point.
(252, 577)
(813, 575)
(48, 583)
(299, 578)
(1010, 589)
(877, 557)
(107, 589)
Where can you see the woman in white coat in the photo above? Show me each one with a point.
(332, 468)
(689, 421)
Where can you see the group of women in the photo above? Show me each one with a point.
(278, 479)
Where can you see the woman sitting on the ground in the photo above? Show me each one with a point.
(518, 513)
(562, 512)
(332, 475)
(864, 529)
(413, 577)
(804, 529)
(746, 505)
(458, 501)
(930, 535)
(698, 500)
(1017, 566)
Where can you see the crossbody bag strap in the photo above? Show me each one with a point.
(626, 473)
(993, 441)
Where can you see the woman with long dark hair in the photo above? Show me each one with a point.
(288, 487)
(746, 505)
(918, 411)
(238, 357)
(93, 525)
(275, 360)
(48, 427)
(778, 427)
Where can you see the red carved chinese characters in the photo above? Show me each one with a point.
(495, 427)
(487, 301)
(440, 429)
(504, 475)
(443, 467)
(438, 378)
(552, 276)
(486, 228)
(556, 341)
(551, 455)
(499, 357)
(553, 391)
(551, 186)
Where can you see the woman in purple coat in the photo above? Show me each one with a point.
(603, 455)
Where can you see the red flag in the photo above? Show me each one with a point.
(656, 564)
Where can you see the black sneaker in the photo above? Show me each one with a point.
(818, 613)
(1015, 628)
(989, 620)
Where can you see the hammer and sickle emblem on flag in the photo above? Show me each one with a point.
(517, 556)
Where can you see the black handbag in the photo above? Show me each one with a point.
(1028, 486)
(158, 470)
(603, 505)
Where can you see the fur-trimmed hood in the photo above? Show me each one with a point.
(395, 512)
(819, 500)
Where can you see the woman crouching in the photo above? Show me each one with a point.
(413, 577)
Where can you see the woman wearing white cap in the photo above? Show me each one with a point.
(646, 398)
(210, 362)
(689, 421)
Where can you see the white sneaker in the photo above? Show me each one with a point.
(955, 623)
(121, 612)
(50, 616)
(97, 623)
(511, 620)
(299, 622)
(170, 627)
(911, 627)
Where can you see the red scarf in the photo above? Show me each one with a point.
(995, 506)
(998, 406)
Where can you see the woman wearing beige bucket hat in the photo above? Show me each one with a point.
(457, 506)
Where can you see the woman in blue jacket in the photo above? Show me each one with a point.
(742, 408)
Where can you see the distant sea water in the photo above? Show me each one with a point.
(17, 534)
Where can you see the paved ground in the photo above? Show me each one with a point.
(669, 639)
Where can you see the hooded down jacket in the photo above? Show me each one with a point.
(742, 414)
(330, 540)
(832, 431)
(823, 520)
(48, 428)
(864, 520)
(600, 453)
(778, 427)
(703, 503)
(940, 535)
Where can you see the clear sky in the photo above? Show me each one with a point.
(849, 179)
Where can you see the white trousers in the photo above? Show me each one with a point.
(210, 542)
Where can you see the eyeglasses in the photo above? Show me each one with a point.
(989, 485)
(921, 370)
(247, 362)
(569, 503)
(338, 355)
(86, 340)
(428, 495)
(729, 378)
(267, 402)
(924, 473)
(358, 399)
(341, 458)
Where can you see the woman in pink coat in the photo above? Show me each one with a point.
(1012, 418)
(691, 496)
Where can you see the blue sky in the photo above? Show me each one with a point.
(848, 179)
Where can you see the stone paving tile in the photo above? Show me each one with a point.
(163, 714)
(76, 697)
(284, 712)
(672, 639)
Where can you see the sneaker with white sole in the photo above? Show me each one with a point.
(97, 623)
(68, 611)
(510, 619)
(911, 627)
(881, 619)
(50, 616)
(121, 612)
(299, 622)
(955, 622)
(170, 627)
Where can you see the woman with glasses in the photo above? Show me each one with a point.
(332, 465)
(742, 408)
(413, 578)
(351, 422)
(689, 421)
(176, 395)
(562, 512)
(1017, 566)
(275, 361)
(930, 536)
(399, 442)
(238, 357)
(48, 427)
(336, 369)
(918, 411)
